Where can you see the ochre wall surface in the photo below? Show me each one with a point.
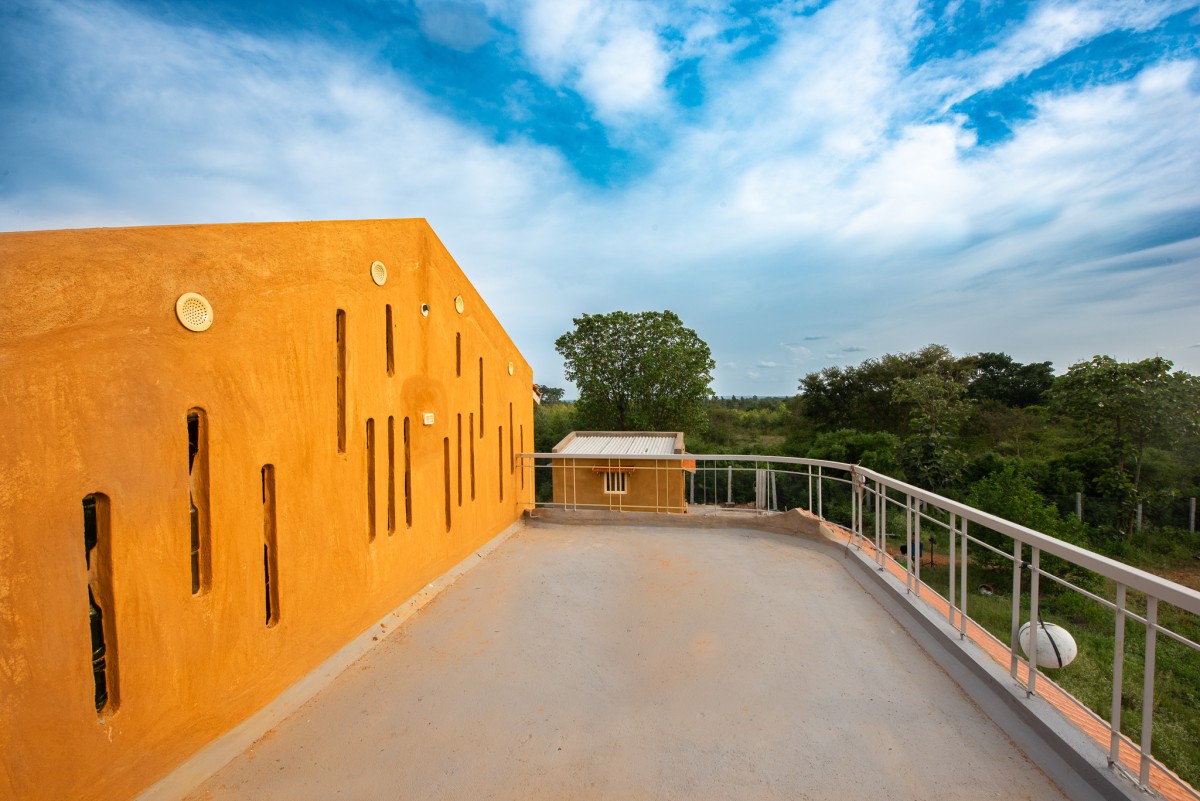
(654, 485)
(97, 377)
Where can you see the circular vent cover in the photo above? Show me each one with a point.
(458, 304)
(194, 311)
(378, 273)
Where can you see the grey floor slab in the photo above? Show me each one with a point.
(641, 663)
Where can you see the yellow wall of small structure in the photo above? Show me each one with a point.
(654, 485)
(96, 379)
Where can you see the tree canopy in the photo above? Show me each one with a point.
(638, 371)
(1126, 408)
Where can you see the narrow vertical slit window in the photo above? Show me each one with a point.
(458, 355)
(460, 463)
(481, 397)
(391, 354)
(446, 477)
(512, 459)
(341, 381)
(391, 485)
(500, 458)
(471, 440)
(97, 554)
(270, 558)
(407, 477)
(370, 479)
(198, 519)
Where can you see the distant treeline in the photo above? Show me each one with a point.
(985, 427)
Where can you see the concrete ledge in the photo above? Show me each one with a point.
(796, 521)
(1053, 743)
(220, 752)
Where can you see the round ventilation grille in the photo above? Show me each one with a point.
(510, 368)
(378, 273)
(194, 311)
(458, 304)
(424, 309)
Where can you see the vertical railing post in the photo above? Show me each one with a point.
(1114, 741)
(951, 579)
(692, 489)
(1192, 515)
(857, 485)
(1031, 685)
(1016, 608)
(880, 553)
(810, 495)
(729, 486)
(1139, 517)
(1148, 691)
(883, 500)
(820, 485)
(962, 582)
(915, 554)
(908, 546)
(1079, 505)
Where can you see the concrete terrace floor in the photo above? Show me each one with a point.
(641, 662)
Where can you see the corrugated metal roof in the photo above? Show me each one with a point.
(618, 445)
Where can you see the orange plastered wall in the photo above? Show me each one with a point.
(97, 377)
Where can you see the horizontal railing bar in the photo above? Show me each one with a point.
(991, 548)
(1097, 598)
(1177, 637)
(943, 523)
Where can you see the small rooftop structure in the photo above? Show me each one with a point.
(612, 471)
(622, 443)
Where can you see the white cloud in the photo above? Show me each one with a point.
(611, 54)
(457, 24)
(1052, 28)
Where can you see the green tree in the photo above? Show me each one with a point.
(551, 422)
(1125, 408)
(937, 404)
(551, 395)
(861, 396)
(998, 377)
(875, 450)
(1012, 495)
(643, 371)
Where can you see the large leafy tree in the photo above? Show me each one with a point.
(937, 410)
(1125, 408)
(999, 378)
(861, 397)
(638, 371)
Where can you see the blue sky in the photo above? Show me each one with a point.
(804, 183)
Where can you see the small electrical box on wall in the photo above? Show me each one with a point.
(428, 418)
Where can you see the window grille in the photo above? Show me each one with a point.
(616, 483)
